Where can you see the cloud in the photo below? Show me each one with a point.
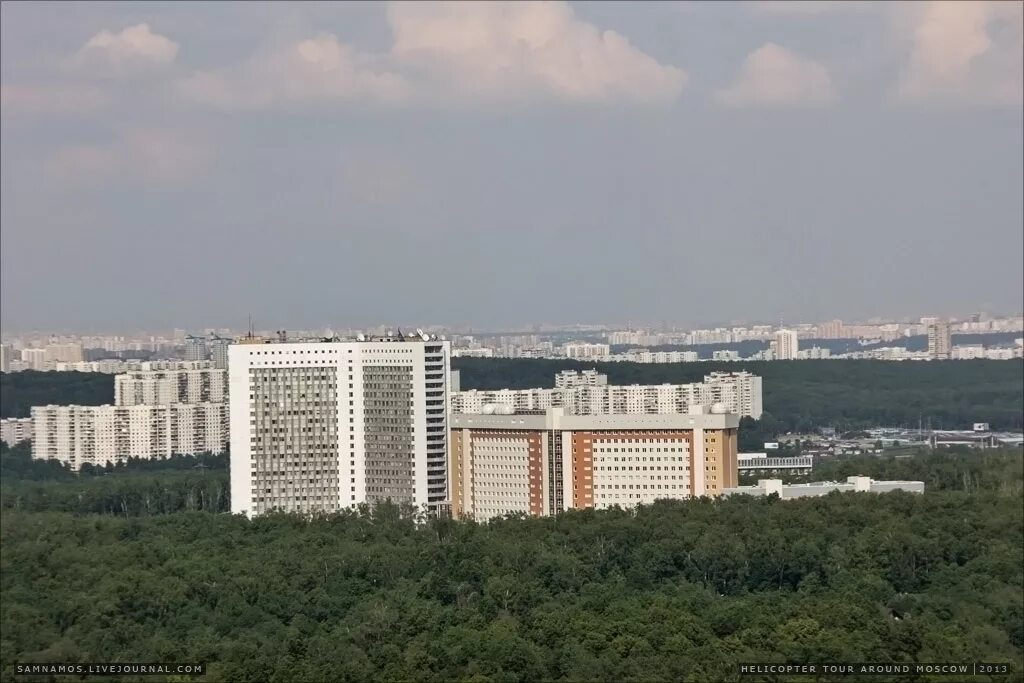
(314, 71)
(499, 50)
(150, 155)
(449, 54)
(50, 99)
(964, 51)
(130, 51)
(772, 76)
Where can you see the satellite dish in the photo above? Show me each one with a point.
(361, 337)
(488, 409)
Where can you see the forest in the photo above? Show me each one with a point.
(675, 591)
(800, 396)
(19, 391)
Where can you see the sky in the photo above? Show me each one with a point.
(497, 165)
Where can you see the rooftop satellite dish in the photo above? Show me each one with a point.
(361, 337)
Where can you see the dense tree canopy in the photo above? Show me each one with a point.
(802, 395)
(675, 591)
(19, 391)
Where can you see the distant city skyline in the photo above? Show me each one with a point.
(536, 328)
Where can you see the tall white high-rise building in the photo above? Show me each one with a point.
(940, 341)
(321, 426)
(6, 357)
(786, 345)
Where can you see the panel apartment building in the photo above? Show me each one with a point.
(101, 435)
(544, 462)
(156, 414)
(160, 387)
(589, 393)
(322, 426)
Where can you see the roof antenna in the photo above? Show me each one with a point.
(251, 331)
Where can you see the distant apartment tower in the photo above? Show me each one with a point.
(218, 347)
(833, 329)
(101, 435)
(940, 341)
(155, 387)
(195, 349)
(544, 462)
(6, 357)
(322, 426)
(66, 353)
(786, 345)
(35, 358)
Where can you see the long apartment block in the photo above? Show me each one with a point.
(159, 387)
(544, 462)
(322, 426)
(101, 435)
(589, 393)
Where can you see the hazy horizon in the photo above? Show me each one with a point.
(186, 165)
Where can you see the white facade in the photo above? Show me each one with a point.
(156, 387)
(624, 478)
(739, 392)
(98, 435)
(501, 476)
(6, 356)
(15, 430)
(321, 426)
(787, 345)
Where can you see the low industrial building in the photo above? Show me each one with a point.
(760, 462)
(767, 487)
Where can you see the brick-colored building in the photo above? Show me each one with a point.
(543, 462)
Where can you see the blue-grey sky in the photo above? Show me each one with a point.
(186, 164)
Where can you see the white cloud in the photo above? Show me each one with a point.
(133, 49)
(59, 99)
(967, 52)
(450, 54)
(510, 50)
(151, 155)
(772, 76)
(314, 71)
